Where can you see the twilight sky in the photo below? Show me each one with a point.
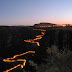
(29, 12)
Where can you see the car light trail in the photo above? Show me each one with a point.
(14, 58)
(38, 37)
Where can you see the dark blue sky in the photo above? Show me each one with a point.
(29, 12)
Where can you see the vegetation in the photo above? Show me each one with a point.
(53, 55)
(58, 61)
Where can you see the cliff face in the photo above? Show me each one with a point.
(44, 25)
(61, 38)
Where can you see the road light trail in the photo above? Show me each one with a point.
(19, 65)
(12, 59)
(15, 56)
(40, 30)
(38, 37)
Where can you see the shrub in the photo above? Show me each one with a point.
(58, 61)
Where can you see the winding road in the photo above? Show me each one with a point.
(15, 57)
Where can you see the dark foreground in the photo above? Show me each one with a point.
(53, 54)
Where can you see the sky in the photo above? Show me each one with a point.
(30, 12)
